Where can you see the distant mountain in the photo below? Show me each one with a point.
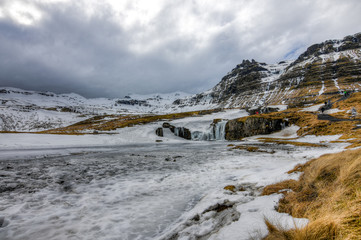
(323, 71)
(23, 110)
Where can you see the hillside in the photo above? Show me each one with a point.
(24, 110)
(313, 106)
(323, 71)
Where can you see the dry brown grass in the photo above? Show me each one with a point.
(102, 123)
(328, 194)
(281, 187)
(353, 101)
(318, 230)
(310, 125)
(285, 142)
(248, 148)
(231, 188)
(245, 147)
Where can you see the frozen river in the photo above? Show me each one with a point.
(144, 191)
(132, 192)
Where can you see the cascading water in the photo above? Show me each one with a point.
(215, 132)
(219, 130)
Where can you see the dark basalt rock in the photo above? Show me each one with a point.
(349, 42)
(261, 110)
(166, 125)
(183, 133)
(250, 126)
(133, 102)
(159, 132)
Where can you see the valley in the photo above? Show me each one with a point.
(213, 165)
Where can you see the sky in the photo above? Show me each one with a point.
(110, 48)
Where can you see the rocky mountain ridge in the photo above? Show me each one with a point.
(322, 72)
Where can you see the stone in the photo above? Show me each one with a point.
(250, 126)
(183, 133)
(2, 219)
(159, 132)
(166, 125)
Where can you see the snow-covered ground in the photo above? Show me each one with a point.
(128, 186)
(29, 111)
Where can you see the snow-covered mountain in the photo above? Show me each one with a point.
(323, 71)
(23, 110)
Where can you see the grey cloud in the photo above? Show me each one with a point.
(70, 51)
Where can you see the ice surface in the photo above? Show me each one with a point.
(128, 186)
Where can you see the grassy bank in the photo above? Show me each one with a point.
(328, 193)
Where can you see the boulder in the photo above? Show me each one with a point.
(166, 125)
(253, 125)
(159, 132)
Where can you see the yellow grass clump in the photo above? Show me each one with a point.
(328, 194)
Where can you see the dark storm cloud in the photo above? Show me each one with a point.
(111, 48)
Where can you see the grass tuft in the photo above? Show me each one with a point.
(328, 194)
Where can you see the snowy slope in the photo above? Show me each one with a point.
(324, 69)
(23, 110)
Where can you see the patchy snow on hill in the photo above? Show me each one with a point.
(22, 110)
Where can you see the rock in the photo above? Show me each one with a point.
(183, 133)
(3, 222)
(260, 110)
(159, 132)
(158, 141)
(172, 128)
(250, 126)
(166, 125)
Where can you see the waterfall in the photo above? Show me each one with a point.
(215, 132)
(179, 131)
(220, 130)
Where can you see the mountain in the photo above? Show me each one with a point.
(322, 72)
(23, 110)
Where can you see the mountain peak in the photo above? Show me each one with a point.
(330, 46)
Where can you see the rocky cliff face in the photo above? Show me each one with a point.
(323, 71)
(254, 125)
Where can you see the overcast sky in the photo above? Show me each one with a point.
(111, 48)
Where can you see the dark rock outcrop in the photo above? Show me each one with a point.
(254, 125)
(159, 132)
(133, 102)
(166, 125)
(260, 110)
(178, 131)
(322, 72)
(183, 133)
